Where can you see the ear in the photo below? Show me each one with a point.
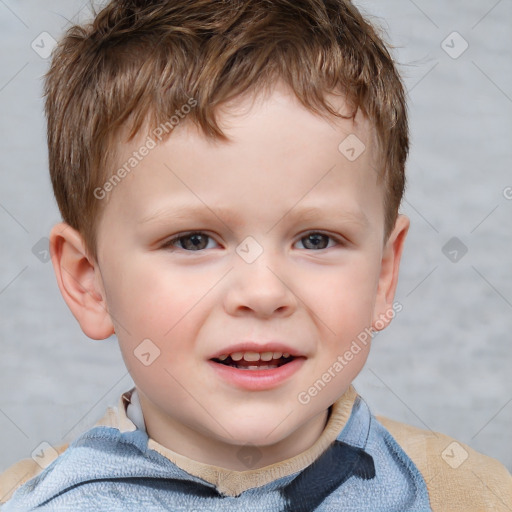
(79, 281)
(388, 279)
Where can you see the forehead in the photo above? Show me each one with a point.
(280, 156)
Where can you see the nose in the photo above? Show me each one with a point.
(260, 289)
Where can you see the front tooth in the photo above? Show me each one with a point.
(267, 356)
(223, 357)
(237, 356)
(277, 355)
(251, 356)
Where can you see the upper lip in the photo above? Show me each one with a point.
(251, 346)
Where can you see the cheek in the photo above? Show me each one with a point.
(149, 299)
(168, 309)
(342, 299)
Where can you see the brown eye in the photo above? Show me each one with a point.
(189, 242)
(194, 242)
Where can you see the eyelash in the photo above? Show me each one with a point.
(169, 244)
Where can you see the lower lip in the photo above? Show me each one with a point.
(257, 380)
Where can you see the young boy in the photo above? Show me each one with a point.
(229, 174)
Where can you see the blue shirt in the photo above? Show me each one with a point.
(363, 469)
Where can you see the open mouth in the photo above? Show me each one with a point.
(250, 362)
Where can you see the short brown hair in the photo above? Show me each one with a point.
(140, 60)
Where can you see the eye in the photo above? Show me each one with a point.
(196, 241)
(318, 241)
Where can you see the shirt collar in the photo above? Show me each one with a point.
(232, 482)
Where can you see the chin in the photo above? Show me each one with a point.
(249, 433)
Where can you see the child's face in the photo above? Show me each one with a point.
(281, 179)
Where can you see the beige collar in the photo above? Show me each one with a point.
(230, 482)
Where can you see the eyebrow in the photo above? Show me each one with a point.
(184, 212)
(306, 213)
(310, 213)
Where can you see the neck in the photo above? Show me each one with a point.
(236, 455)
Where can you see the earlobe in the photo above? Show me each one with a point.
(388, 279)
(79, 281)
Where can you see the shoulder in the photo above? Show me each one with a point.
(26, 469)
(458, 478)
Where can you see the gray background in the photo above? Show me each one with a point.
(444, 364)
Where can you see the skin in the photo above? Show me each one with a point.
(282, 158)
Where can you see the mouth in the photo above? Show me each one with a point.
(250, 374)
(252, 366)
(254, 360)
